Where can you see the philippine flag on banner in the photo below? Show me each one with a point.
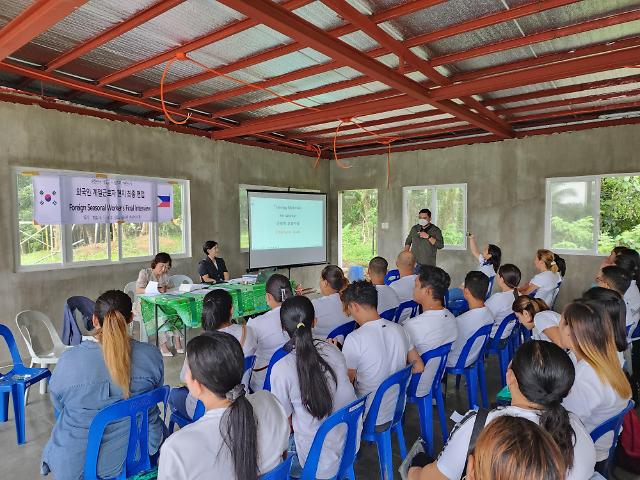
(46, 200)
(165, 202)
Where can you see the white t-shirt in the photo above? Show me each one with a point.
(377, 350)
(404, 289)
(427, 331)
(468, 323)
(632, 302)
(542, 321)
(329, 314)
(453, 457)
(387, 298)
(500, 306)
(593, 402)
(269, 337)
(546, 281)
(198, 451)
(250, 345)
(486, 268)
(286, 388)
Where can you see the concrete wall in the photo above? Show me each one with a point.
(505, 188)
(35, 137)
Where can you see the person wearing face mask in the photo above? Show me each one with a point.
(424, 239)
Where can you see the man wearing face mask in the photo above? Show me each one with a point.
(424, 239)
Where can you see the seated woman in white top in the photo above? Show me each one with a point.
(629, 260)
(267, 329)
(611, 307)
(329, 311)
(539, 378)
(387, 297)
(545, 282)
(601, 389)
(311, 383)
(217, 312)
(500, 304)
(515, 449)
(489, 259)
(534, 315)
(159, 272)
(239, 437)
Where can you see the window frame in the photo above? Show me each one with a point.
(595, 213)
(434, 208)
(66, 250)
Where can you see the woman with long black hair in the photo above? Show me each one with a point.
(539, 378)
(489, 259)
(612, 308)
(311, 383)
(228, 441)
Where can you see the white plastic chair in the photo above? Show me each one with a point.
(130, 289)
(176, 280)
(43, 342)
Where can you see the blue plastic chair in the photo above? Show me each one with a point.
(391, 276)
(500, 347)
(177, 418)
(389, 314)
(490, 289)
(556, 292)
(249, 362)
(614, 424)
(356, 272)
(277, 355)
(137, 410)
(474, 373)
(425, 403)
(281, 472)
(409, 304)
(15, 382)
(342, 330)
(349, 415)
(382, 438)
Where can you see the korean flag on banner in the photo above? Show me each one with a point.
(164, 202)
(47, 208)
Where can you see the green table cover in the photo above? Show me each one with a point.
(187, 307)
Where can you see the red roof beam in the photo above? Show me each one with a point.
(413, 134)
(382, 132)
(576, 111)
(39, 17)
(109, 34)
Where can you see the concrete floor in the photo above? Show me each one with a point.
(22, 462)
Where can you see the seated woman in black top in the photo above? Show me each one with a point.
(212, 269)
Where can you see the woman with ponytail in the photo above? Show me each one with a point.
(535, 315)
(94, 375)
(489, 259)
(601, 389)
(328, 308)
(240, 437)
(266, 328)
(545, 282)
(311, 383)
(539, 378)
(501, 303)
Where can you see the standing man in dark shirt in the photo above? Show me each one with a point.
(212, 269)
(424, 239)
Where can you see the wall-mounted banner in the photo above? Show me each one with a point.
(66, 199)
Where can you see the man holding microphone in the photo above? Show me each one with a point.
(424, 239)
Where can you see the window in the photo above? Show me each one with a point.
(448, 205)
(46, 247)
(358, 227)
(591, 215)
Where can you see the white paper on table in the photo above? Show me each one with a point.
(151, 289)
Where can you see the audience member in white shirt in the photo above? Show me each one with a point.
(240, 437)
(406, 263)
(435, 326)
(387, 297)
(329, 311)
(628, 260)
(611, 307)
(534, 315)
(539, 378)
(311, 383)
(500, 304)
(545, 282)
(618, 279)
(475, 289)
(489, 259)
(267, 329)
(217, 311)
(601, 389)
(375, 350)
